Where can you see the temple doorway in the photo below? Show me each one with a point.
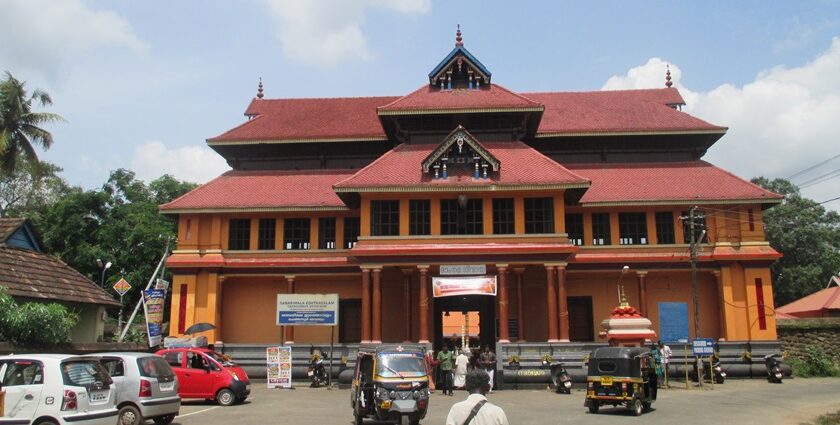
(463, 319)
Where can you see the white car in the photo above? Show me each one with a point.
(53, 389)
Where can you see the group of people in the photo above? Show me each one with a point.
(453, 366)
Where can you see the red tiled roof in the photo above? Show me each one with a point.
(266, 190)
(814, 304)
(428, 97)
(9, 226)
(30, 274)
(654, 182)
(299, 119)
(615, 111)
(520, 165)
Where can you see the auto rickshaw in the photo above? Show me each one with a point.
(621, 376)
(390, 384)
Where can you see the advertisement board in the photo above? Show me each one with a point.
(153, 300)
(279, 367)
(307, 309)
(457, 286)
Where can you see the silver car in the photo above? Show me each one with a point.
(146, 387)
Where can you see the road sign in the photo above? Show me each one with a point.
(162, 284)
(307, 309)
(703, 346)
(122, 286)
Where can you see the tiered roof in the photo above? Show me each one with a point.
(430, 100)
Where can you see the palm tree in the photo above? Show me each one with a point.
(19, 126)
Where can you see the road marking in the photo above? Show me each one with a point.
(200, 411)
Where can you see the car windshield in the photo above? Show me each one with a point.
(153, 367)
(396, 365)
(83, 373)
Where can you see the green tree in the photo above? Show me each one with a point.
(807, 235)
(20, 127)
(31, 189)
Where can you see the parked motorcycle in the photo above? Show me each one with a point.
(317, 372)
(560, 378)
(720, 375)
(774, 368)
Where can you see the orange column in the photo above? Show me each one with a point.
(503, 303)
(562, 303)
(424, 306)
(642, 293)
(407, 304)
(365, 305)
(551, 295)
(520, 322)
(376, 334)
(290, 289)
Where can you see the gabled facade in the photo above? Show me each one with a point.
(547, 194)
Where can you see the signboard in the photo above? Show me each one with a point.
(307, 309)
(456, 286)
(673, 321)
(122, 286)
(162, 284)
(703, 346)
(153, 300)
(462, 269)
(279, 367)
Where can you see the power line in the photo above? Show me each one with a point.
(817, 180)
(814, 166)
(830, 200)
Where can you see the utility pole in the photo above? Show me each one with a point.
(696, 295)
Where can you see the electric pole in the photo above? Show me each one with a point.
(696, 295)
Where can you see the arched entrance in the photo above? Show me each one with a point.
(456, 306)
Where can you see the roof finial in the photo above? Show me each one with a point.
(458, 40)
(260, 90)
(668, 82)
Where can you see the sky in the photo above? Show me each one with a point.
(143, 84)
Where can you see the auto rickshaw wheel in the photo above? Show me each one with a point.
(593, 406)
(636, 406)
(646, 405)
(360, 420)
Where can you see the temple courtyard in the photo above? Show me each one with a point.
(754, 401)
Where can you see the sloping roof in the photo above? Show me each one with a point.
(521, 165)
(459, 49)
(8, 226)
(814, 304)
(348, 118)
(270, 190)
(30, 274)
(651, 183)
(429, 99)
(616, 111)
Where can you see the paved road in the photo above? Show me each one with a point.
(738, 401)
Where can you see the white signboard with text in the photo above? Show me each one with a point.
(307, 309)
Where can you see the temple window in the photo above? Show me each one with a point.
(539, 215)
(385, 218)
(665, 227)
(574, 228)
(601, 229)
(267, 230)
(326, 233)
(419, 217)
(461, 216)
(632, 229)
(503, 216)
(352, 227)
(699, 226)
(296, 233)
(239, 234)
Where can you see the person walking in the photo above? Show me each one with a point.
(445, 360)
(666, 358)
(476, 410)
(487, 361)
(431, 368)
(461, 363)
(657, 359)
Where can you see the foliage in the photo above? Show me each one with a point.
(135, 334)
(31, 188)
(828, 419)
(809, 238)
(20, 127)
(35, 324)
(815, 362)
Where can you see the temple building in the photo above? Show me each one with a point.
(530, 205)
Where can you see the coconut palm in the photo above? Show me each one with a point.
(19, 126)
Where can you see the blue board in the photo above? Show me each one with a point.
(673, 321)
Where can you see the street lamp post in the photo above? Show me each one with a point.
(103, 268)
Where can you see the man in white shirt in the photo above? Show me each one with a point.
(666, 358)
(461, 363)
(476, 410)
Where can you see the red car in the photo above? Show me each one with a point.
(206, 374)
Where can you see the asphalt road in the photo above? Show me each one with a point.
(737, 401)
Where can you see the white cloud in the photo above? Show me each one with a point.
(197, 164)
(37, 35)
(779, 124)
(322, 33)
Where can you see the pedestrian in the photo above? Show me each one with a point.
(666, 359)
(488, 363)
(431, 368)
(657, 359)
(461, 363)
(445, 359)
(476, 410)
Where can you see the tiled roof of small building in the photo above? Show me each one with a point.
(30, 274)
(264, 190)
(648, 183)
(429, 98)
(826, 299)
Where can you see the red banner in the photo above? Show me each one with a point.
(455, 286)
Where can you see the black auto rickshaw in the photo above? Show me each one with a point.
(621, 376)
(390, 384)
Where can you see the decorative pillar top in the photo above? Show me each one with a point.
(260, 90)
(625, 326)
(458, 40)
(641, 273)
(289, 277)
(668, 82)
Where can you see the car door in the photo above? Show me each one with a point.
(198, 377)
(116, 368)
(175, 359)
(23, 382)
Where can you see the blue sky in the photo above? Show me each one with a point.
(143, 84)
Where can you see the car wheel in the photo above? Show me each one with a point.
(593, 407)
(164, 420)
(130, 415)
(47, 422)
(637, 407)
(225, 397)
